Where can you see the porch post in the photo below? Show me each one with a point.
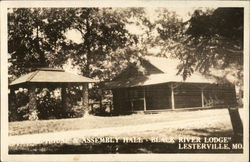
(202, 97)
(144, 99)
(33, 113)
(132, 105)
(172, 96)
(100, 93)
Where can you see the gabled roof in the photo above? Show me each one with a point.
(167, 73)
(48, 75)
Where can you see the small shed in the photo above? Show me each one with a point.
(155, 86)
(49, 77)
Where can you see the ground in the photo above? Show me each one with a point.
(70, 135)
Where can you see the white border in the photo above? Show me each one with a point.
(119, 157)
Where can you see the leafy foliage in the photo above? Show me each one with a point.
(217, 37)
(210, 39)
(36, 38)
(210, 42)
(48, 106)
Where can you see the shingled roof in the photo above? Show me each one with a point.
(49, 75)
(167, 73)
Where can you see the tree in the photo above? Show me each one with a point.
(36, 38)
(213, 39)
(102, 32)
(216, 38)
(210, 39)
(108, 46)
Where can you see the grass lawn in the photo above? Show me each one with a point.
(45, 126)
(204, 127)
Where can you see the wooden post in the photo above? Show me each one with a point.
(144, 99)
(64, 99)
(202, 97)
(100, 93)
(85, 99)
(132, 105)
(172, 97)
(202, 87)
(33, 113)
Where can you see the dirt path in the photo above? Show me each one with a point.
(67, 136)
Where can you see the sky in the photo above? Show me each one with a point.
(183, 12)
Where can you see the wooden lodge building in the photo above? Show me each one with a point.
(156, 87)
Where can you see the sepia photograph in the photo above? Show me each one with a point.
(125, 80)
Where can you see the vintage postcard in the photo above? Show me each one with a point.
(124, 80)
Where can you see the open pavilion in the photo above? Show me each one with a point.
(48, 77)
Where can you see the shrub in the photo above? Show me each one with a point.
(49, 107)
(19, 111)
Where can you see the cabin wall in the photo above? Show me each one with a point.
(128, 99)
(187, 95)
(158, 97)
(120, 101)
(132, 99)
(220, 95)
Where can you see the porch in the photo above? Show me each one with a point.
(172, 96)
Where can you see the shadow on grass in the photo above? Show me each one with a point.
(213, 132)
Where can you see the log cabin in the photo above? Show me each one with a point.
(155, 86)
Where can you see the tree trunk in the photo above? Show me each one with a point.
(85, 99)
(33, 112)
(236, 123)
(12, 105)
(240, 102)
(86, 44)
(42, 59)
(64, 100)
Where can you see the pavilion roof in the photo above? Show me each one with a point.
(48, 75)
